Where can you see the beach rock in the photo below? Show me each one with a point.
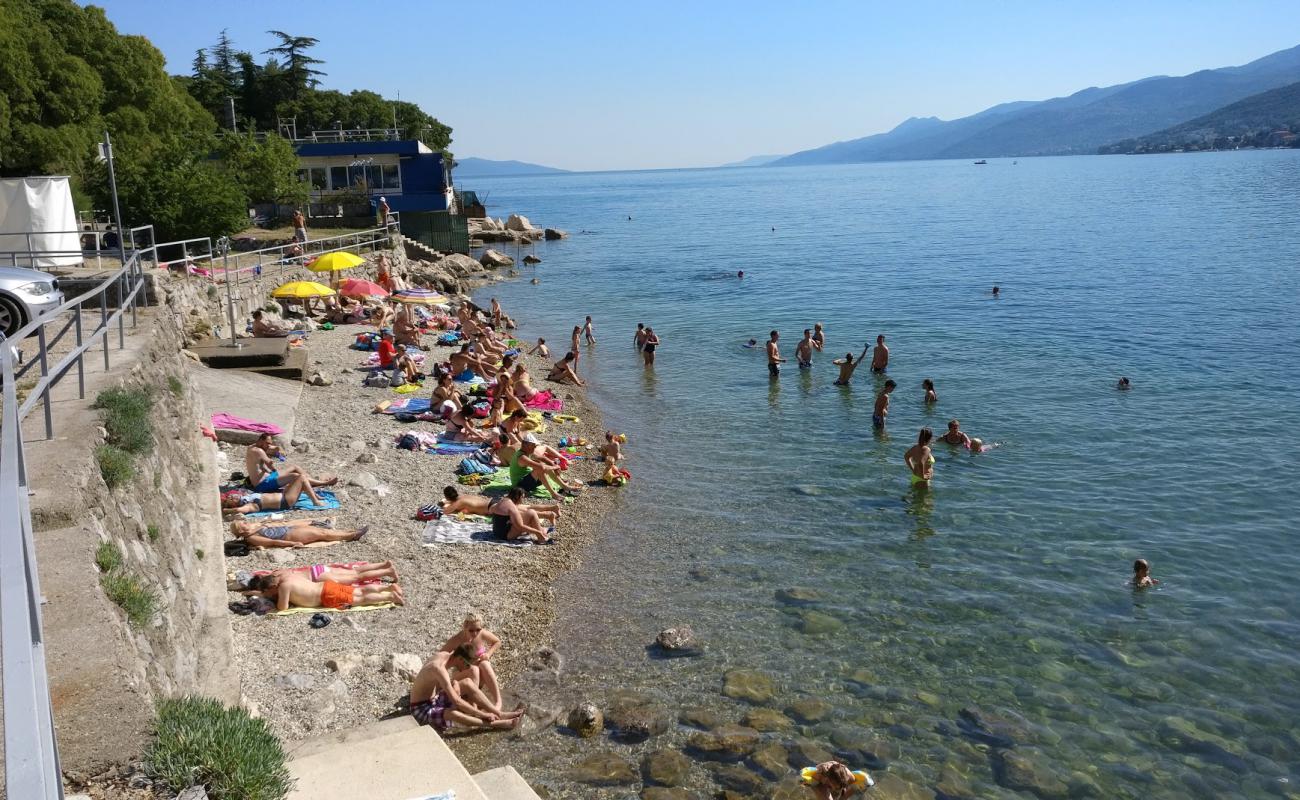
(363, 480)
(320, 379)
(748, 685)
(280, 555)
(737, 778)
(678, 642)
(552, 234)
(367, 458)
(493, 259)
(193, 793)
(767, 720)
(373, 662)
(1025, 771)
(790, 788)
(666, 793)
(819, 623)
(518, 222)
(346, 664)
(810, 710)
(728, 743)
(294, 680)
(532, 259)
(953, 785)
(992, 729)
(798, 596)
(666, 768)
(356, 444)
(771, 761)
(603, 769)
(586, 720)
(404, 665)
(806, 753)
(699, 717)
(380, 442)
(638, 723)
(892, 787)
(301, 445)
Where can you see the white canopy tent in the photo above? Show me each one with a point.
(37, 217)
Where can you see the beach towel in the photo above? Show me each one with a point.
(455, 449)
(305, 504)
(499, 481)
(544, 401)
(223, 420)
(405, 405)
(372, 362)
(408, 388)
(299, 610)
(469, 531)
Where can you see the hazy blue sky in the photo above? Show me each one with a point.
(618, 84)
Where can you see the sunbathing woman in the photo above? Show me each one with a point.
(361, 573)
(522, 383)
(233, 503)
(291, 533)
(454, 502)
(564, 370)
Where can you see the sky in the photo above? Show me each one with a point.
(627, 84)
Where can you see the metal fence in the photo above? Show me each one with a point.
(437, 230)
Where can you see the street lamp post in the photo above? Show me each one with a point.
(223, 247)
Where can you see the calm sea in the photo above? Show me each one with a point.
(1003, 588)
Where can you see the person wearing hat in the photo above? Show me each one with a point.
(383, 211)
(530, 470)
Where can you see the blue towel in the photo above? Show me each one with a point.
(455, 449)
(304, 504)
(411, 405)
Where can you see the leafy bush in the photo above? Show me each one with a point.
(139, 603)
(126, 418)
(153, 532)
(107, 557)
(236, 757)
(116, 465)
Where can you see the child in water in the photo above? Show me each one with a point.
(541, 349)
(1142, 575)
(612, 453)
(928, 386)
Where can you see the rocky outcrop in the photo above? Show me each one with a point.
(520, 223)
(553, 234)
(493, 259)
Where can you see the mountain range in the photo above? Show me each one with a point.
(483, 167)
(1267, 119)
(1080, 123)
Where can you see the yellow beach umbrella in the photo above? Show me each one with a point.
(333, 262)
(299, 290)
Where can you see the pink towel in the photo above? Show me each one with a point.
(545, 401)
(229, 421)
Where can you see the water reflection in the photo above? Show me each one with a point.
(918, 504)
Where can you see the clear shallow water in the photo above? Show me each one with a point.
(1004, 586)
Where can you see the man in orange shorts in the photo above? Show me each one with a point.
(295, 589)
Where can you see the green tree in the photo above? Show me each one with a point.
(266, 171)
(300, 73)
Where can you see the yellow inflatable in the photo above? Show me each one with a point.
(808, 775)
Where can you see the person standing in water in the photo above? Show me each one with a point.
(649, 346)
(920, 460)
(881, 409)
(1142, 575)
(639, 339)
(589, 330)
(880, 356)
(930, 395)
(848, 366)
(774, 360)
(575, 342)
(804, 350)
(819, 337)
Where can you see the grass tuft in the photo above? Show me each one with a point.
(139, 603)
(116, 465)
(153, 532)
(236, 757)
(199, 554)
(107, 557)
(126, 418)
(174, 383)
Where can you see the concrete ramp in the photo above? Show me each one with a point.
(504, 783)
(248, 395)
(390, 760)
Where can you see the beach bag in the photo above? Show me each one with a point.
(481, 409)
(472, 466)
(408, 442)
(377, 380)
(429, 512)
(366, 341)
(236, 547)
(405, 416)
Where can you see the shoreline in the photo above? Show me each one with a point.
(283, 662)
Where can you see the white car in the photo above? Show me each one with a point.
(25, 294)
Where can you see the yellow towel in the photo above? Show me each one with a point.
(286, 612)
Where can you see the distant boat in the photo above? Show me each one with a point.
(981, 162)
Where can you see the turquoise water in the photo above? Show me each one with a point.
(1004, 586)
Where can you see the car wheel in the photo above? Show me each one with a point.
(11, 316)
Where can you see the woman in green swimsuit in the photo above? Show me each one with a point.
(919, 459)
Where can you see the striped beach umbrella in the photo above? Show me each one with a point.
(423, 297)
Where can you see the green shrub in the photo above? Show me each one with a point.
(107, 557)
(236, 757)
(126, 418)
(174, 383)
(212, 293)
(114, 464)
(153, 532)
(199, 554)
(138, 602)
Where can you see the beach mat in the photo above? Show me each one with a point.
(304, 504)
(405, 405)
(375, 607)
(454, 531)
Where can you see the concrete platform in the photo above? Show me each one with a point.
(252, 352)
(504, 783)
(248, 395)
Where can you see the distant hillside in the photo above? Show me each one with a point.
(1267, 119)
(482, 167)
(1079, 123)
(754, 161)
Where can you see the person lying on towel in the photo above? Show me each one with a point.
(298, 590)
(292, 533)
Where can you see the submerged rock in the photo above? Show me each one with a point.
(666, 768)
(1025, 771)
(637, 723)
(667, 793)
(790, 788)
(737, 778)
(532, 259)
(953, 785)
(700, 717)
(810, 710)
(771, 761)
(749, 685)
(728, 743)
(678, 642)
(807, 753)
(992, 729)
(892, 787)
(798, 596)
(587, 720)
(603, 769)
(768, 720)
(819, 623)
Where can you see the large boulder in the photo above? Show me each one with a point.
(493, 259)
(404, 665)
(518, 222)
(666, 768)
(587, 720)
(552, 234)
(459, 265)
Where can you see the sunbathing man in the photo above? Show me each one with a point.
(565, 370)
(512, 520)
(262, 474)
(848, 366)
(265, 329)
(438, 701)
(297, 589)
(405, 329)
(291, 533)
(480, 505)
(482, 643)
(233, 503)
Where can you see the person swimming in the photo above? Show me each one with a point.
(1142, 575)
(930, 395)
(740, 273)
(996, 291)
(751, 344)
(1123, 385)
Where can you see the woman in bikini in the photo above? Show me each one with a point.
(446, 392)
(482, 643)
(930, 395)
(233, 503)
(920, 461)
(522, 383)
(291, 533)
(565, 371)
(512, 520)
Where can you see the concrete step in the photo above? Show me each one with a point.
(389, 760)
(504, 783)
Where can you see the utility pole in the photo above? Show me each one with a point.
(223, 247)
(117, 213)
(234, 125)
